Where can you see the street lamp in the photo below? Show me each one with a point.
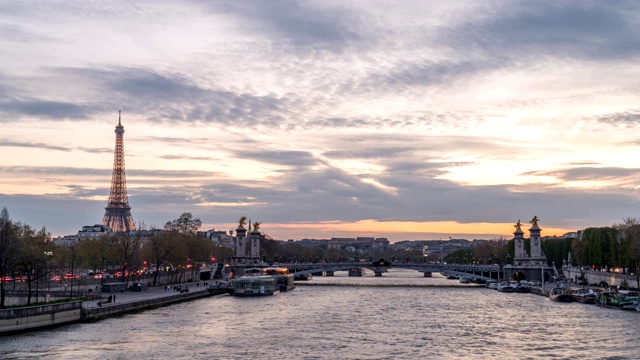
(47, 255)
(71, 292)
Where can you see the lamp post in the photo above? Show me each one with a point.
(71, 292)
(102, 273)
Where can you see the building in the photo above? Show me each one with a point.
(93, 232)
(219, 237)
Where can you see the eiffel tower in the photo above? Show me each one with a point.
(118, 215)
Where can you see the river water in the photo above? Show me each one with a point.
(419, 320)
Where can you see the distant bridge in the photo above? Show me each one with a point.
(473, 272)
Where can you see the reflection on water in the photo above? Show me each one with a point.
(318, 322)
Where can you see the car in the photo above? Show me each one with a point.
(21, 278)
(56, 278)
(6, 279)
(534, 283)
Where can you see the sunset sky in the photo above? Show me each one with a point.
(397, 119)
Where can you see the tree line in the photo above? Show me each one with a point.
(176, 252)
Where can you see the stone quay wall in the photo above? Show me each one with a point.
(116, 309)
(40, 317)
(594, 277)
(36, 317)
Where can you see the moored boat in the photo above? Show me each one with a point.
(356, 272)
(560, 294)
(505, 287)
(255, 285)
(583, 296)
(284, 279)
(464, 280)
(617, 300)
(302, 277)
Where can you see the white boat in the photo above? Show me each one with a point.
(464, 280)
(255, 285)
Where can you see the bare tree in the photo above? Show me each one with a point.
(8, 250)
(126, 248)
(32, 253)
(157, 250)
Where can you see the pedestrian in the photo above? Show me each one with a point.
(114, 298)
(109, 299)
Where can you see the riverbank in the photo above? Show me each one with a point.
(41, 317)
(302, 283)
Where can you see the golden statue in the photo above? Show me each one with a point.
(242, 222)
(256, 226)
(534, 221)
(517, 226)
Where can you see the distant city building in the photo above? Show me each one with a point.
(145, 235)
(65, 240)
(219, 237)
(358, 243)
(93, 231)
(312, 243)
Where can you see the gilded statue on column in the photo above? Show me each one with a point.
(534, 221)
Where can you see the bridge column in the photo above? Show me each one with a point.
(328, 273)
(427, 274)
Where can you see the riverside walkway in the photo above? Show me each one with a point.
(151, 293)
(132, 301)
(44, 316)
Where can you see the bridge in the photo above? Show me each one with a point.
(479, 273)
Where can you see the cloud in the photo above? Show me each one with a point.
(585, 31)
(24, 144)
(587, 173)
(19, 34)
(54, 110)
(626, 118)
(185, 157)
(374, 152)
(300, 23)
(171, 98)
(290, 158)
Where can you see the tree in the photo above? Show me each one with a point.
(629, 236)
(8, 250)
(186, 224)
(32, 254)
(126, 250)
(598, 245)
(157, 250)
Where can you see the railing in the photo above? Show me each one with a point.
(39, 310)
